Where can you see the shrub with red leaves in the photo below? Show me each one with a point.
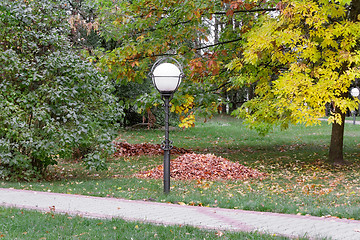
(205, 167)
(127, 149)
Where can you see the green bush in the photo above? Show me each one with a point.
(52, 102)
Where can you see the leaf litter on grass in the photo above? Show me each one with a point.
(127, 149)
(188, 166)
(192, 166)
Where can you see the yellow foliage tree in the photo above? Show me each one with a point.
(300, 60)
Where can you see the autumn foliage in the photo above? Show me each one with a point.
(203, 167)
(124, 149)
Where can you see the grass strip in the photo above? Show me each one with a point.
(24, 224)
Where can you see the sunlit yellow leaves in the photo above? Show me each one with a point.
(259, 39)
(328, 42)
(335, 118)
(187, 102)
(314, 46)
(187, 122)
(182, 107)
(356, 57)
(295, 91)
(311, 52)
(250, 57)
(236, 64)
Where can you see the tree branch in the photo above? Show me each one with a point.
(219, 43)
(175, 54)
(251, 10)
(219, 87)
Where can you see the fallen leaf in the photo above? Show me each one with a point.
(219, 233)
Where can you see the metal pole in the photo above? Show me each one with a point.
(354, 116)
(167, 147)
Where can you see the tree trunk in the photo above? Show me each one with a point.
(336, 155)
(354, 10)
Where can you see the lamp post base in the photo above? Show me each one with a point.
(166, 171)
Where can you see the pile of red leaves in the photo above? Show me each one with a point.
(124, 149)
(205, 167)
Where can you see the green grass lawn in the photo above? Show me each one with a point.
(22, 224)
(299, 179)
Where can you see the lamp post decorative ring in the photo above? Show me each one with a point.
(168, 146)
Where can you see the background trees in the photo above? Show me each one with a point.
(289, 64)
(285, 59)
(304, 58)
(53, 103)
(203, 35)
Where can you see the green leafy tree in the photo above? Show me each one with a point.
(203, 35)
(87, 39)
(301, 59)
(53, 103)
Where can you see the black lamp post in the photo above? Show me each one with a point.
(355, 93)
(166, 75)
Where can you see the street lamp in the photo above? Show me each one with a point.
(355, 93)
(166, 75)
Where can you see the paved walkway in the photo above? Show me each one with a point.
(357, 122)
(352, 122)
(168, 214)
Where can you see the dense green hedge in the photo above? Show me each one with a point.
(53, 104)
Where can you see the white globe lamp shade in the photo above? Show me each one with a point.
(166, 77)
(355, 92)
